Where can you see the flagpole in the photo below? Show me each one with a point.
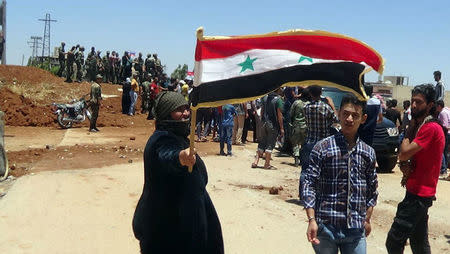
(192, 134)
(199, 35)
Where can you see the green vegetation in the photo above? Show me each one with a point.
(180, 72)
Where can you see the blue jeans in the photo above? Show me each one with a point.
(305, 152)
(133, 97)
(347, 241)
(226, 134)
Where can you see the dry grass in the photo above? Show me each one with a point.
(40, 93)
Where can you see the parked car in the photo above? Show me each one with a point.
(385, 140)
(386, 144)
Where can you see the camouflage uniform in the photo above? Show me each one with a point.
(126, 66)
(79, 60)
(112, 64)
(158, 66)
(70, 62)
(149, 65)
(100, 66)
(139, 68)
(107, 68)
(94, 103)
(61, 59)
(91, 62)
(117, 69)
(145, 96)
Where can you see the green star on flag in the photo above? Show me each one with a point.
(302, 58)
(247, 64)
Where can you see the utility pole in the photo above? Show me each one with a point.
(3, 32)
(46, 41)
(35, 45)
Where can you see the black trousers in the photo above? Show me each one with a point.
(94, 115)
(249, 125)
(411, 221)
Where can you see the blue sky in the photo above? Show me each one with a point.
(412, 36)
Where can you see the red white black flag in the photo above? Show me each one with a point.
(241, 68)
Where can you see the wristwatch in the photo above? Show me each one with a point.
(311, 218)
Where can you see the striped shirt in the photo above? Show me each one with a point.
(340, 184)
(319, 118)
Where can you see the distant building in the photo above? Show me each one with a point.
(396, 80)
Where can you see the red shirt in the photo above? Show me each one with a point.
(423, 180)
(154, 90)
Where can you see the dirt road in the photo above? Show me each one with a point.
(90, 210)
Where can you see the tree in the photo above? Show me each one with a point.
(180, 72)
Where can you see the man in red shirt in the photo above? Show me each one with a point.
(420, 161)
(154, 90)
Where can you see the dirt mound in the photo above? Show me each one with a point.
(22, 74)
(26, 94)
(21, 111)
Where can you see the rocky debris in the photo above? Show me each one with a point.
(12, 167)
(48, 147)
(132, 138)
(275, 190)
(259, 187)
(130, 161)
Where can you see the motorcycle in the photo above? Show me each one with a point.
(75, 112)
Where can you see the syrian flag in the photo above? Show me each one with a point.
(242, 68)
(189, 75)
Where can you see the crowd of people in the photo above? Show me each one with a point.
(112, 67)
(338, 181)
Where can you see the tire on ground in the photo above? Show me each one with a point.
(385, 165)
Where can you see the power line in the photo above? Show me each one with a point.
(46, 41)
(35, 45)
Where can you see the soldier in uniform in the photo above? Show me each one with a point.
(70, 62)
(79, 60)
(118, 64)
(145, 94)
(61, 59)
(152, 67)
(112, 64)
(126, 66)
(91, 61)
(147, 65)
(100, 66)
(140, 68)
(158, 67)
(94, 102)
(107, 68)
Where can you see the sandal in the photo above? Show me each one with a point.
(254, 165)
(270, 167)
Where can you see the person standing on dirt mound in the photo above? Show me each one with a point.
(70, 62)
(61, 59)
(94, 102)
(79, 60)
(175, 213)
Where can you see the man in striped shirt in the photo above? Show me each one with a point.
(319, 119)
(340, 186)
